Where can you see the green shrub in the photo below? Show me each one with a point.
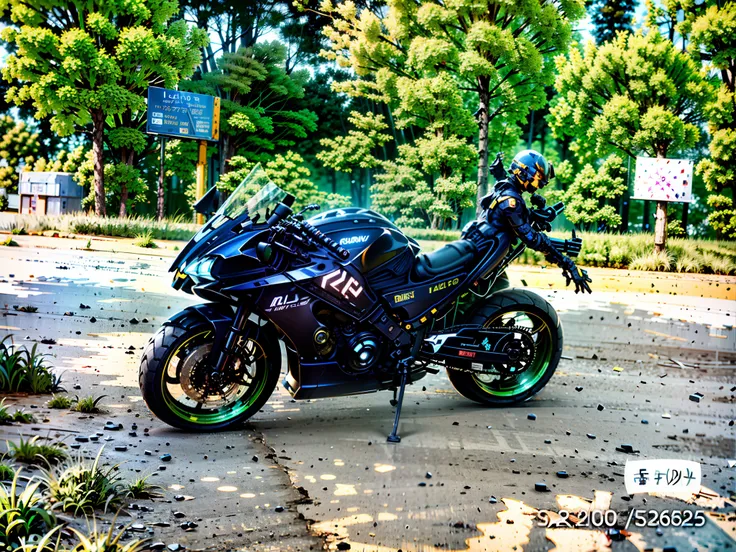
(88, 405)
(23, 370)
(59, 401)
(9, 242)
(106, 542)
(7, 473)
(141, 488)
(23, 515)
(18, 231)
(145, 239)
(29, 451)
(81, 487)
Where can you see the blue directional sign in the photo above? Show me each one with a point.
(183, 114)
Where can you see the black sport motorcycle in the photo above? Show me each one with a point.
(343, 303)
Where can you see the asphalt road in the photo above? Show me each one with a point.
(302, 475)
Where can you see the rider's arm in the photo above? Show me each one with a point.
(518, 216)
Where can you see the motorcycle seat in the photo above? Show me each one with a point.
(452, 256)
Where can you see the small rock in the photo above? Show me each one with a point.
(83, 306)
(541, 487)
(601, 407)
(428, 475)
(562, 474)
(138, 527)
(134, 321)
(279, 509)
(165, 457)
(695, 397)
(179, 515)
(188, 526)
(121, 448)
(343, 546)
(112, 426)
(176, 547)
(81, 439)
(255, 458)
(531, 416)
(157, 545)
(493, 500)
(626, 448)
(579, 388)
(93, 319)
(645, 422)
(590, 436)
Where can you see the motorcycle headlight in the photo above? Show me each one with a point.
(200, 269)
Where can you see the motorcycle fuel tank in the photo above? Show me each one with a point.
(371, 238)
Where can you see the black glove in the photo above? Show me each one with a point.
(577, 275)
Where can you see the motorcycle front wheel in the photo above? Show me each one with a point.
(174, 369)
(538, 321)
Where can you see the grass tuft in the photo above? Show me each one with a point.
(29, 451)
(24, 515)
(59, 401)
(7, 473)
(88, 405)
(141, 488)
(25, 370)
(9, 242)
(83, 487)
(145, 239)
(658, 261)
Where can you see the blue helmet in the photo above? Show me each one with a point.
(531, 170)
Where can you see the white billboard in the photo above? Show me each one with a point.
(663, 179)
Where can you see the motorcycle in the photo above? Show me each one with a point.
(343, 303)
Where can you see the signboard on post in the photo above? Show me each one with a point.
(183, 114)
(663, 180)
(659, 179)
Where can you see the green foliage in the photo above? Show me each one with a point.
(416, 56)
(589, 193)
(97, 541)
(259, 113)
(24, 370)
(355, 149)
(655, 261)
(7, 473)
(637, 94)
(29, 451)
(24, 515)
(713, 36)
(145, 239)
(95, 63)
(88, 405)
(122, 227)
(119, 177)
(288, 173)
(141, 488)
(59, 401)
(9, 242)
(18, 144)
(64, 161)
(83, 487)
(19, 231)
(675, 229)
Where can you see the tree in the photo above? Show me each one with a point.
(609, 17)
(64, 161)
(260, 115)
(588, 193)
(713, 38)
(119, 177)
(496, 52)
(18, 145)
(636, 94)
(89, 62)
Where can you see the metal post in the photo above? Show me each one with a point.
(201, 174)
(160, 191)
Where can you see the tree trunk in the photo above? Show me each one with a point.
(98, 121)
(128, 160)
(483, 120)
(660, 225)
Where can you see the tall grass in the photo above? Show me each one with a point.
(177, 228)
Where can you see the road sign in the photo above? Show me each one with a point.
(183, 114)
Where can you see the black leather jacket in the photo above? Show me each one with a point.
(507, 212)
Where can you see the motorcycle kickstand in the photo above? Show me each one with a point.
(393, 437)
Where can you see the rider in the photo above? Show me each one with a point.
(529, 172)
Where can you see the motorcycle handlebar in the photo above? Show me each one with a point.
(328, 242)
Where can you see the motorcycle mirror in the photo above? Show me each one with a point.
(209, 203)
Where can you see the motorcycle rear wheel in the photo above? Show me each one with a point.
(168, 377)
(524, 309)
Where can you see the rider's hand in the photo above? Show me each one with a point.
(578, 276)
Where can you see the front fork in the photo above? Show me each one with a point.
(227, 344)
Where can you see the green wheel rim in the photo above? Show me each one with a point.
(543, 349)
(220, 414)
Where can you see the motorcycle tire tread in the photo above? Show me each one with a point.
(157, 351)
